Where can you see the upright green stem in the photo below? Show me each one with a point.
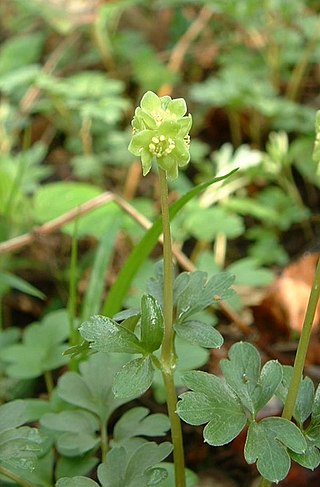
(104, 441)
(299, 362)
(302, 347)
(49, 381)
(168, 358)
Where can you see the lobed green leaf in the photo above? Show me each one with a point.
(134, 378)
(138, 422)
(212, 401)
(242, 372)
(106, 335)
(199, 333)
(267, 443)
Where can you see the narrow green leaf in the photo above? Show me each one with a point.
(151, 323)
(199, 333)
(94, 291)
(134, 378)
(141, 251)
(106, 335)
(20, 284)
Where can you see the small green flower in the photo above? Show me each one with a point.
(161, 132)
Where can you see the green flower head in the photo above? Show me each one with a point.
(161, 132)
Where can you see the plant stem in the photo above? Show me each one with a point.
(168, 359)
(167, 345)
(299, 362)
(264, 483)
(302, 347)
(104, 441)
(12, 476)
(49, 381)
(72, 302)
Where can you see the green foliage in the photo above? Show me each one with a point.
(41, 349)
(141, 251)
(138, 422)
(65, 77)
(228, 404)
(125, 467)
(19, 445)
(267, 444)
(54, 199)
(91, 389)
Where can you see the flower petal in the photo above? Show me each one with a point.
(146, 161)
(140, 141)
(178, 107)
(181, 152)
(150, 102)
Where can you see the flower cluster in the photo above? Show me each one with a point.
(161, 132)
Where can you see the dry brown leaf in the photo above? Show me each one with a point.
(284, 304)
